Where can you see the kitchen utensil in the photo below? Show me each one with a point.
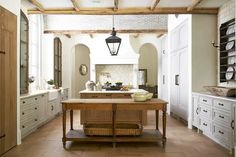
(229, 73)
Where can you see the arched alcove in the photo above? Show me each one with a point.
(148, 59)
(81, 58)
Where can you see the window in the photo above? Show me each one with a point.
(35, 32)
(57, 62)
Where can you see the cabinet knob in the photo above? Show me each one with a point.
(205, 111)
(23, 126)
(221, 132)
(36, 120)
(221, 116)
(220, 104)
(35, 108)
(23, 102)
(204, 100)
(35, 98)
(23, 113)
(204, 124)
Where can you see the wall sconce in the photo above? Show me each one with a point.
(214, 44)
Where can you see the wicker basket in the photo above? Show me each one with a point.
(106, 129)
(221, 91)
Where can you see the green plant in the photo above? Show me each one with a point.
(50, 82)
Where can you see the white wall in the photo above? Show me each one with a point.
(148, 60)
(14, 7)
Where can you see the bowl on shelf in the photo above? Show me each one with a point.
(221, 91)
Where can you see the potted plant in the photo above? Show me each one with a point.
(31, 80)
(50, 83)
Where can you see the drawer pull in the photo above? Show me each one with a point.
(52, 108)
(23, 126)
(35, 98)
(222, 117)
(42, 95)
(197, 111)
(204, 124)
(4, 135)
(220, 104)
(205, 111)
(23, 113)
(36, 120)
(204, 100)
(221, 132)
(35, 108)
(23, 102)
(232, 124)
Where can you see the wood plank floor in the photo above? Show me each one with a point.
(181, 142)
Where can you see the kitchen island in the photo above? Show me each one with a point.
(91, 117)
(114, 105)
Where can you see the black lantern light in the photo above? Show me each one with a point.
(113, 42)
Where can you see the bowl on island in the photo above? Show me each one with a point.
(139, 97)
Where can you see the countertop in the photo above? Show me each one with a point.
(214, 96)
(114, 91)
(39, 92)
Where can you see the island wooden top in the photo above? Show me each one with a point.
(109, 104)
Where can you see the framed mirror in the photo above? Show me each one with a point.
(83, 69)
(142, 76)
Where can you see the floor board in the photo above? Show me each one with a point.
(181, 142)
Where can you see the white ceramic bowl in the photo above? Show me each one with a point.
(149, 96)
(139, 97)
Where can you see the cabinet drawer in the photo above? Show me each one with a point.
(25, 103)
(29, 124)
(222, 117)
(106, 95)
(121, 95)
(205, 100)
(221, 133)
(205, 111)
(27, 113)
(205, 126)
(220, 104)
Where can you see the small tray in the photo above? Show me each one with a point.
(106, 129)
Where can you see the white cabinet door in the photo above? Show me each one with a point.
(183, 83)
(174, 40)
(195, 111)
(183, 35)
(174, 84)
(164, 81)
(43, 108)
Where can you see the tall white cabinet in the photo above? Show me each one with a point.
(192, 58)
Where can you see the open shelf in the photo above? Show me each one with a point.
(226, 56)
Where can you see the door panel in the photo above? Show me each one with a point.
(174, 94)
(183, 83)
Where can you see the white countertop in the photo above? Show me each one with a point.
(114, 91)
(214, 96)
(38, 92)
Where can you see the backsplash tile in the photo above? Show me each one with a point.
(114, 73)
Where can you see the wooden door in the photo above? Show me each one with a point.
(8, 84)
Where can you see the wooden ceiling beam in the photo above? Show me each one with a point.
(38, 5)
(154, 31)
(154, 4)
(116, 3)
(75, 4)
(130, 11)
(194, 4)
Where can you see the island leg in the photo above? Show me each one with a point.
(71, 120)
(64, 126)
(157, 119)
(114, 124)
(164, 127)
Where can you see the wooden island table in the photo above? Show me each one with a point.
(148, 135)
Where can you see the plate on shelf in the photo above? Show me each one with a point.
(230, 30)
(231, 60)
(229, 73)
(229, 45)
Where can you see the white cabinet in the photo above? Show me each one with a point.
(214, 116)
(179, 83)
(37, 109)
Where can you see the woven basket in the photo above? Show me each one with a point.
(221, 91)
(106, 129)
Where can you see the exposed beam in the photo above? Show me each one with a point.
(116, 5)
(194, 4)
(130, 11)
(75, 4)
(38, 5)
(154, 4)
(154, 31)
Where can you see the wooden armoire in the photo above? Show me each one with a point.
(8, 81)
